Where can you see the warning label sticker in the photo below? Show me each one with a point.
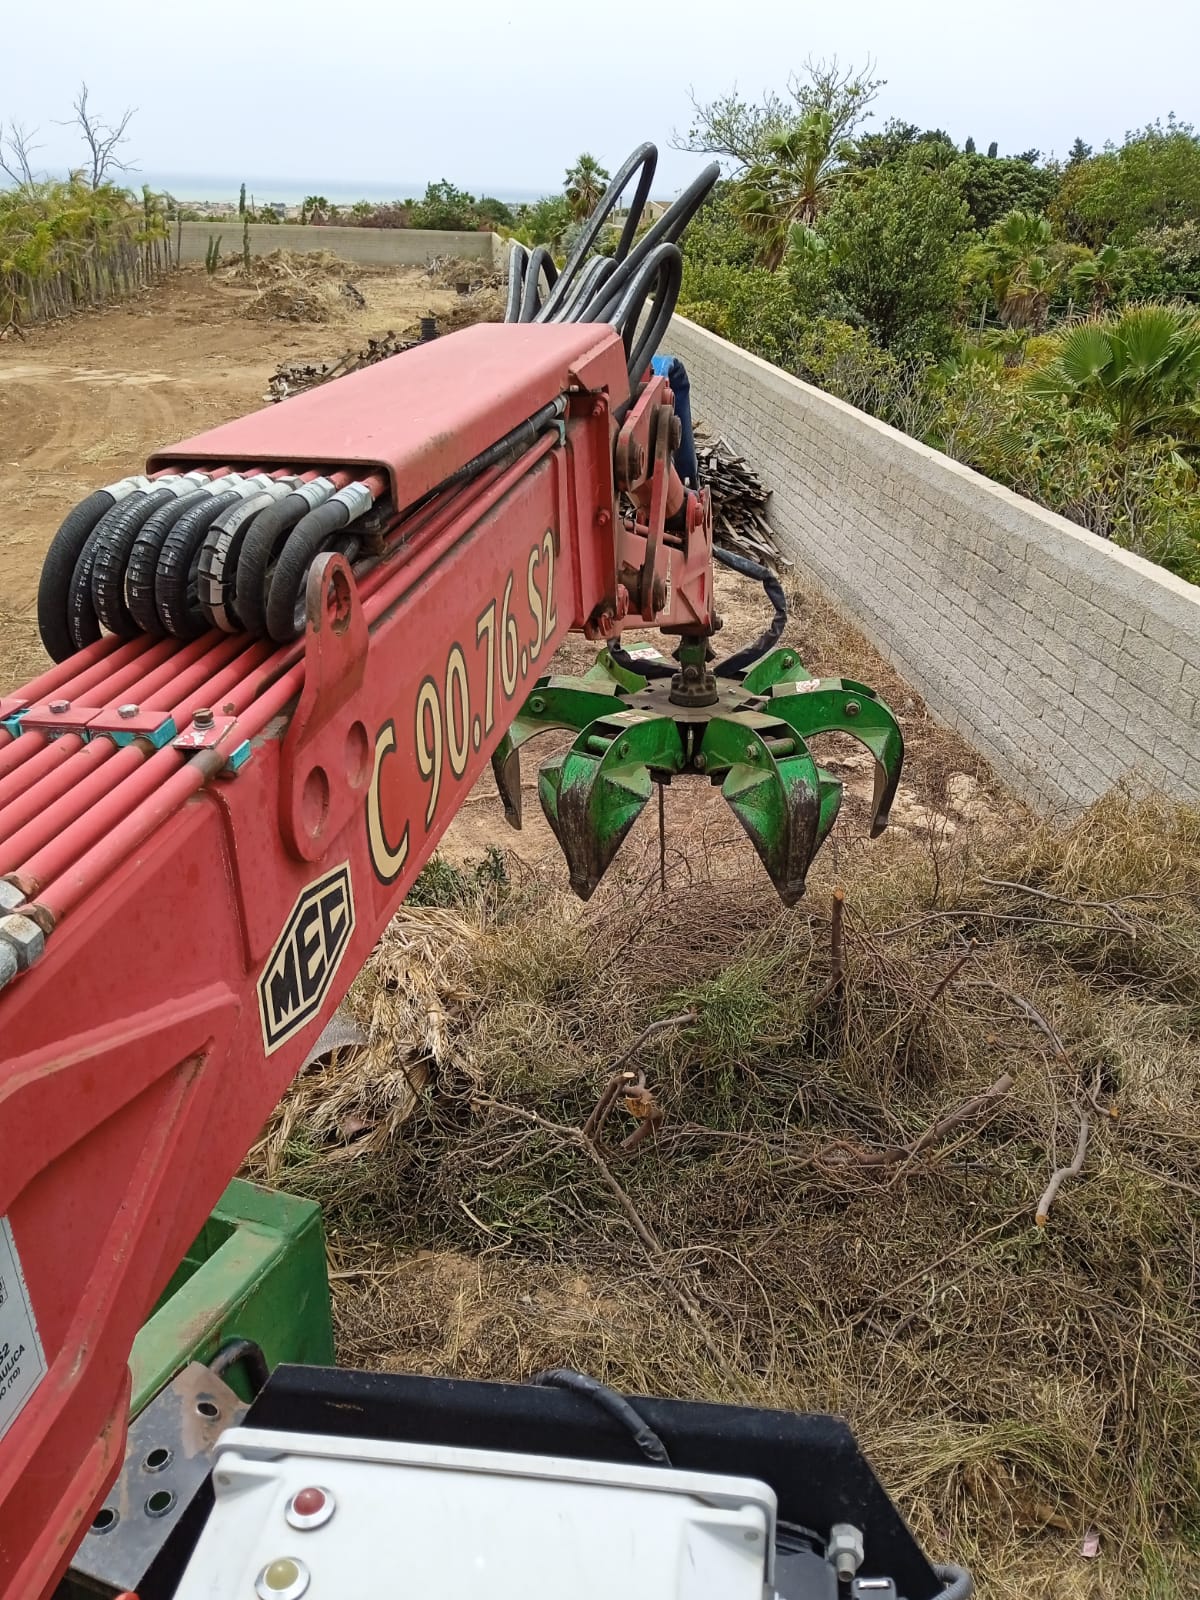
(22, 1360)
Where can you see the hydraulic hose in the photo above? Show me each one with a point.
(59, 566)
(958, 1581)
(614, 289)
(110, 566)
(733, 666)
(261, 545)
(141, 564)
(175, 575)
(132, 513)
(311, 535)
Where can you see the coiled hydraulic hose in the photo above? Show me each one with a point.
(263, 543)
(614, 289)
(59, 566)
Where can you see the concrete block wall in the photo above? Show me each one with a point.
(393, 247)
(1066, 662)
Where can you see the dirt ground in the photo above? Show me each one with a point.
(83, 402)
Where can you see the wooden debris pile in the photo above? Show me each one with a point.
(294, 377)
(739, 501)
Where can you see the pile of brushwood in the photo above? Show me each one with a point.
(923, 1151)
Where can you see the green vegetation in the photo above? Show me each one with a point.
(65, 245)
(1036, 319)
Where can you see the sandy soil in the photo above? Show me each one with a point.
(83, 402)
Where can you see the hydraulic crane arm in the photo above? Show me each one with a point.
(201, 842)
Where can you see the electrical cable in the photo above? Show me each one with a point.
(620, 1409)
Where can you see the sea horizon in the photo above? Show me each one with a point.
(293, 191)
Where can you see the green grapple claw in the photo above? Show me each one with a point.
(750, 734)
(595, 793)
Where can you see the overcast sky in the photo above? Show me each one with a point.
(499, 97)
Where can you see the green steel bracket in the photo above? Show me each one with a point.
(781, 666)
(840, 705)
(775, 789)
(257, 1272)
(594, 793)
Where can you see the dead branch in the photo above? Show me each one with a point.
(17, 163)
(951, 973)
(837, 949)
(848, 1154)
(1061, 1174)
(649, 1031)
(1031, 1013)
(1062, 899)
(102, 139)
(649, 1240)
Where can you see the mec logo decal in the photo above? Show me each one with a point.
(307, 953)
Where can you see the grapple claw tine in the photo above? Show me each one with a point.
(594, 793)
(840, 705)
(776, 793)
(506, 768)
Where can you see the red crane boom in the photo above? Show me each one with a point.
(201, 842)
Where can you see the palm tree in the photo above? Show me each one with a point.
(585, 185)
(1101, 278)
(1015, 262)
(1142, 368)
(790, 185)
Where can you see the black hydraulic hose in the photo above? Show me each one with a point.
(110, 564)
(307, 539)
(541, 265)
(644, 1436)
(667, 230)
(661, 272)
(959, 1584)
(645, 157)
(58, 569)
(141, 566)
(216, 571)
(518, 256)
(593, 277)
(259, 549)
(175, 583)
(733, 666)
(82, 618)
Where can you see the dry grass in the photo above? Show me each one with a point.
(1016, 1386)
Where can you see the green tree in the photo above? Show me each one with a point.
(1141, 369)
(584, 186)
(242, 201)
(1018, 266)
(446, 206)
(792, 184)
(489, 209)
(1151, 181)
(969, 147)
(1168, 262)
(313, 205)
(545, 221)
(993, 186)
(740, 133)
(1078, 152)
(1099, 280)
(894, 247)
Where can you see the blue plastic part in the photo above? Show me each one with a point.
(13, 724)
(239, 757)
(163, 734)
(674, 371)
